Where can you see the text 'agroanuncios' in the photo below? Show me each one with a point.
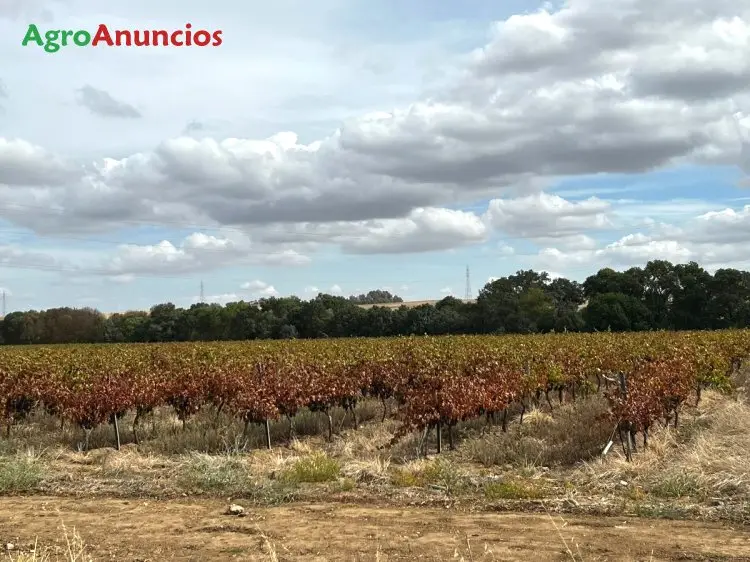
(55, 39)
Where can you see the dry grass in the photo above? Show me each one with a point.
(74, 551)
(707, 460)
(570, 434)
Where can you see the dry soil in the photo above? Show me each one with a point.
(198, 530)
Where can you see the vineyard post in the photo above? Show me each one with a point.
(117, 430)
(330, 424)
(624, 389)
(420, 447)
(268, 434)
(439, 437)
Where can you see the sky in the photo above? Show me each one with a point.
(342, 146)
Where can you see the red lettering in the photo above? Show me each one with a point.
(155, 38)
(201, 38)
(141, 38)
(102, 34)
(174, 37)
(120, 34)
(164, 38)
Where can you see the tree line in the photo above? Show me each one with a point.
(659, 296)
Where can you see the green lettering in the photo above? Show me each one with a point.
(65, 36)
(82, 38)
(51, 46)
(32, 34)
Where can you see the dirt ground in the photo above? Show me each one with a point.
(190, 530)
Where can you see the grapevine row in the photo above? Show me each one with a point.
(436, 381)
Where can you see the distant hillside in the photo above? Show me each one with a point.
(407, 304)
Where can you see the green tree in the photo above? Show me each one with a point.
(660, 282)
(616, 312)
(692, 298)
(537, 308)
(729, 306)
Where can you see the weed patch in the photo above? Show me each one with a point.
(515, 490)
(677, 485)
(20, 473)
(206, 473)
(439, 473)
(315, 468)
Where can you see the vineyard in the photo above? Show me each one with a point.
(433, 382)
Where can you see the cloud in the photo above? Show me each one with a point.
(254, 285)
(545, 218)
(259, 289)
(423, 230)
(196, 252)
(279, 178)
(122, 279)
(631, 250)
(742, 124)
(12, 256)
(16, 9)
(720, 227)
(193, 127)
(103, 104)
(222, 299)
(552, 94)
(714, 239)
(24, 165)
(286, 257)
(631, 39)
(11, 9)
(335, 290)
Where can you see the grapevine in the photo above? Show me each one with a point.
(436, 382)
